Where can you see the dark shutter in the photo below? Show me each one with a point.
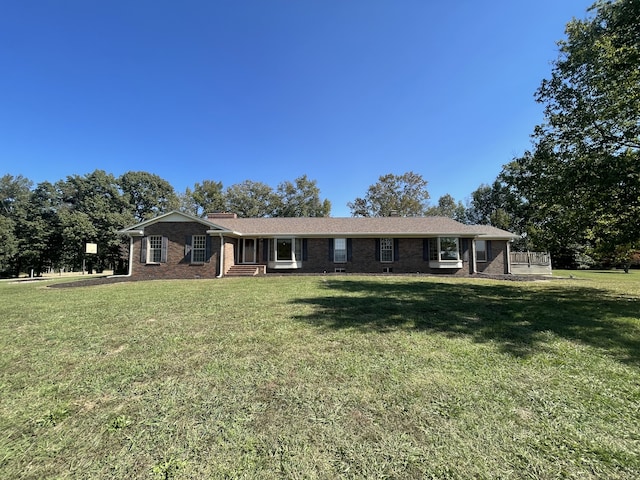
(331, 249)
(377, 249)
(425, 249)
(143, 250)
(187, 245)
(265, 250)
(208, 243)
(396, 249)
(165, 248)
(305, 252)
(349, 249)
(488, 244)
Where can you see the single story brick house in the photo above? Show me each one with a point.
(177, 245)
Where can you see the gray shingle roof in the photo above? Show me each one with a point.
(357, 226)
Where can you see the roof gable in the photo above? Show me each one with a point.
(173, 217)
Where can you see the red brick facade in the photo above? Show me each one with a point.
(177, 265)
(315, 253)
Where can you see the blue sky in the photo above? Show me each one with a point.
(268, 90)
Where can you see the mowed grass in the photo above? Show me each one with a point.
(322, 377)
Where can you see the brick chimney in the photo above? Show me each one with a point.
(211, 216)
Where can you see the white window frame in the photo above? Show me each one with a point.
(340, 250)
(386, 250)
(481, 253)
(436, 259)
(154, 249)
(198, 248)
(296, 253)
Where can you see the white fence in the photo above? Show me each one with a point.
(530, 263)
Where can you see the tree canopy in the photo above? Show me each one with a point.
(405, 195)
(579, 188)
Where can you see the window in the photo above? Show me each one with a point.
(444, 251)
(285, 249)
(481, 250)
(449, 249)
(198, 248)
(339, 250)
(386, 249)
(155, 249)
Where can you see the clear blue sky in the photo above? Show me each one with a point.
(268, 90)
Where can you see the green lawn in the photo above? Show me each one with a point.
(322, 377)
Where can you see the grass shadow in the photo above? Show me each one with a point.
(516, 318)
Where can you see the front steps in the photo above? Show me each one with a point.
(246, 271)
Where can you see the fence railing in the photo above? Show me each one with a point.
(530, 258)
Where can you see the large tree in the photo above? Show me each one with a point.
(581, 182)
(301, 199)
(205, 197)
(92, 210)
(14, 202)
(448, 207)
(251, 199)
(149, 194)
(405, 195)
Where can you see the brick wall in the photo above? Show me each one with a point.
(496, 263)
(177, 265)
(363, 258)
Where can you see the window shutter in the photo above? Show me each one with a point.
(489, 257)
(305, 253)
(265, 250)
(165, 247)
(377, 249)
(396, 249)
(208, 247)
(425, 249)
(187, 245)
(143, 250)
(349, 249)
(331, 249)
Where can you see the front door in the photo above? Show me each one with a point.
(249, 250)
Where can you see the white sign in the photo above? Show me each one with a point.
(91, 248)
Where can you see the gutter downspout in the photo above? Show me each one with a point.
(474, 267)
(130, 268)
(221, 256)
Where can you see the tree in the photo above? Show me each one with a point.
(205, 197)
(591, 100)
(448, 207)
(8, 246)
(92, 210)
(301, 199)
(40, 244)
(14, 200)
(251, 199)
(148, 194)
(405, 195)
(578, 191)
(583, 177)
